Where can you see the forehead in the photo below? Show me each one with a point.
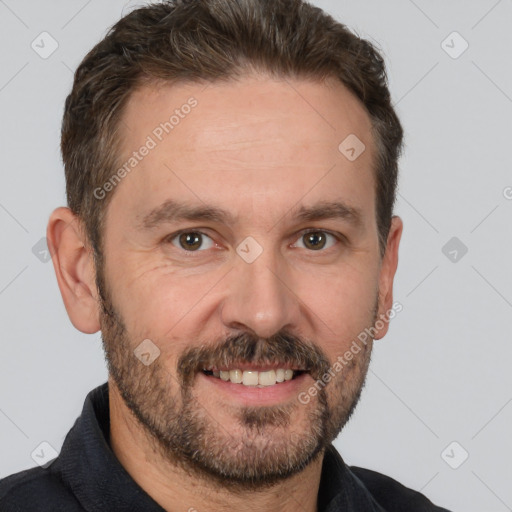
(253, 142)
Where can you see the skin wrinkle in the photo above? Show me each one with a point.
(184, 441)
(183, 436)
(193, 442)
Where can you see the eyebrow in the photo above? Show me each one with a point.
(332, 210)
(174, 211)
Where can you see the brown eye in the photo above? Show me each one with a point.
(317, 240)
(192, 241)
(314, 240)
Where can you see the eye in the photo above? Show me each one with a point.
(191, 241)
(317, 240)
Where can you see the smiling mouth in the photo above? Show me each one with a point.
(255, 378)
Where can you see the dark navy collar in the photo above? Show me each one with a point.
(90, 468)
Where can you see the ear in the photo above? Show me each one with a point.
(74, 267)
(387, 273)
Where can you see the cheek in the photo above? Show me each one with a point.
(343, 304)
(161, 304)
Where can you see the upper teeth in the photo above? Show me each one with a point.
(255, 378)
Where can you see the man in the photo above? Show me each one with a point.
(231, 168)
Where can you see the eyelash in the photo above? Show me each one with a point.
(170, 238)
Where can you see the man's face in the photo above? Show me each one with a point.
(258, 288)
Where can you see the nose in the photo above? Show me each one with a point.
(260, 297)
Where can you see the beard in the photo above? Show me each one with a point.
(261, 445)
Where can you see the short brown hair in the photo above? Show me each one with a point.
(208, 40)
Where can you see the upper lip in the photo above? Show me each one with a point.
(255, 367)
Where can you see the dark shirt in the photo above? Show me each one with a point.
(88, 476)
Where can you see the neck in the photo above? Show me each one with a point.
(175, 489)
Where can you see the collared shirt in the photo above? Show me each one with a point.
(87, 476)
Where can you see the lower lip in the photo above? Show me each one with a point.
(253, 395)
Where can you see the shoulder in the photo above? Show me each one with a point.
(392, 495)
(36, 489)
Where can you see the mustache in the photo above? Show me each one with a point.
(247, 348)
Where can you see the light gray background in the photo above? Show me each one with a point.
(442, 373)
